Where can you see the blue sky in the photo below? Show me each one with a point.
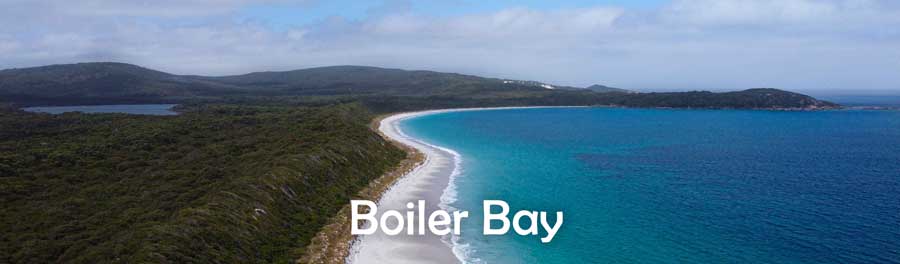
(649, 45)
(297, 14)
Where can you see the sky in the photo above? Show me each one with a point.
(647, 45)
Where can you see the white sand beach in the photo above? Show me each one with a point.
(426, 182)
(429, 181)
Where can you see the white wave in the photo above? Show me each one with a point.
(449, 194)
(390, 126)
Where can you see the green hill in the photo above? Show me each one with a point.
(758, 98)
(101, 82)
(119, 82)
(358, 80)
(607, 89)
(385, 89)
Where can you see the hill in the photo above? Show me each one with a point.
(607, 89)
(119, 82)
(356, 80)
(758, 98)
(383, 89)
(101, 82)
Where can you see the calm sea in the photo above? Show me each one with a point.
(680, 186)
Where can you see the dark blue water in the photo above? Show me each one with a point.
(680, 186)
(141, 109)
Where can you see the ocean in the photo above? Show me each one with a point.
(679, 186)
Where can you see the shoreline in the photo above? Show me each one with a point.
(433, 181)
(426, 174)
(332, 243)
(428, 181)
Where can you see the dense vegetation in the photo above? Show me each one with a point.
(606, 89)
(759, 98)
(91, 83)
(86, 83)
(225, 183)
(249, 171)
(388, 89)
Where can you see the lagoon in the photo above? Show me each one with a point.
(137, 109)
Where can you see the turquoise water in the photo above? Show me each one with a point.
(141, 109)
(680, 186)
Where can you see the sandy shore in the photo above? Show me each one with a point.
(429, 182)
(426, 182)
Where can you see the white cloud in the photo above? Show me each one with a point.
(727, 44)
(525, 22)
(742, 12)
(142, 8)
(807, 16)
